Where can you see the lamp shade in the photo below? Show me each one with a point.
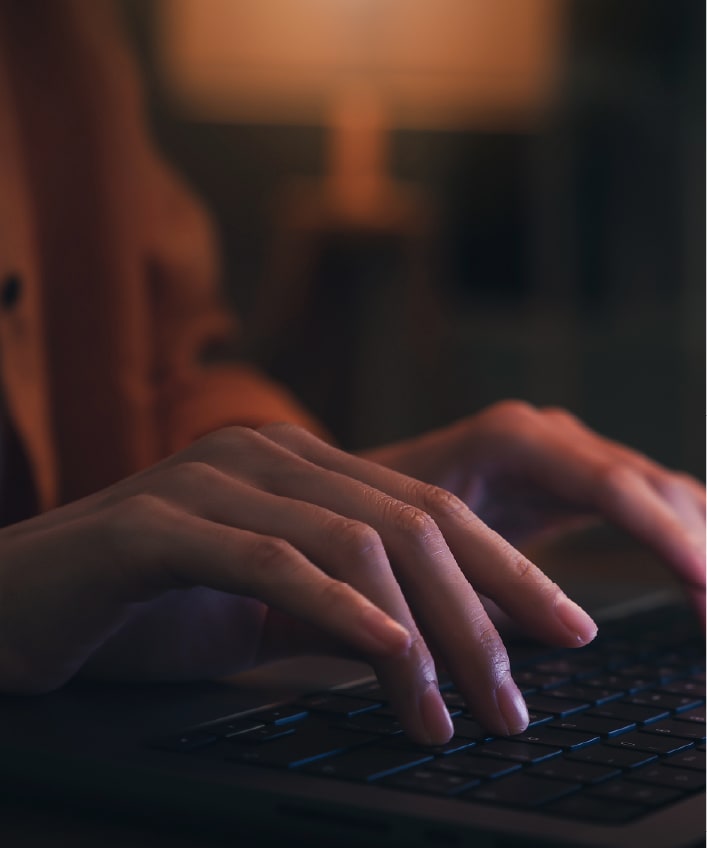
(431, 63)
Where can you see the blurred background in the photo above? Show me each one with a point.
(426, 206)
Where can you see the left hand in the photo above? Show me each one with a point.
(526, 471)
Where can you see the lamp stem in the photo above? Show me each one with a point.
(358, 153)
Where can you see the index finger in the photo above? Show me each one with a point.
(494, 567)
(439, 588)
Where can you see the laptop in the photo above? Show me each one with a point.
(307, 752)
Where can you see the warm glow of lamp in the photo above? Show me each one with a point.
(361, 67)
(433, 63)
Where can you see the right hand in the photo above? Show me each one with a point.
(238, 549)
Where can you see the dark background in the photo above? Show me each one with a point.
(563, 266)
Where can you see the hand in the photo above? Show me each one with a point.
(249, 545)
(526, 471)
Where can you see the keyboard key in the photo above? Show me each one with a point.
(572, 771)
(636, 793)
(431, 782)
(402, 741)
(370, 723)
(469, 728)
(622, 683)
(529, 679)
(522, 791)
(537, 718)
(583, 807)
(673, 728)
(601, 725)
(572, 666)
(666, 776)
(370, 691)
(590, 695)
(469, 764)
(514, 751)
(620, 758)
(644, 742)
(299, 747)
(659, 674)
(687, 759)
(696, 714)
(548, 736)
(281, 715)
(640, 714)
(664, 701)
(685, 688)
(366, 764)
(681, 660)
(234, 727)
(558, 707)
(337, 705)
(386, 710)
(261, 734)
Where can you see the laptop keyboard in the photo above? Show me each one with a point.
(617, 729)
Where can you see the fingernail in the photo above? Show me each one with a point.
(578, 622)
(512, 706)
(435, 716)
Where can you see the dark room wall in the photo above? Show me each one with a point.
(564, 266)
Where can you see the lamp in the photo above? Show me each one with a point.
(361, 67)
(358, 68)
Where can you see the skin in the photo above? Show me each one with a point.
(251, 545)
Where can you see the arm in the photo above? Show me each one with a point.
(198, 389)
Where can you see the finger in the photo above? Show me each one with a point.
(682, 491)
(348, 550)
(659, 508)
(493, 566)
(174, 550)
(443, 602)
(686, 498)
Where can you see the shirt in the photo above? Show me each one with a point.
(101, 351)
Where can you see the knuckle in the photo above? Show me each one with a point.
(512, 410)
(509, 419)
(191, 473)
(673, 486)
(560, 414)
(487, 637)
(612, 479)
(491, 645)
(437, 501)
(412, 522)
(360, 540)
(231, 438)
(274, 554)
(520, 566)
(133, 513)
(282, 431)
